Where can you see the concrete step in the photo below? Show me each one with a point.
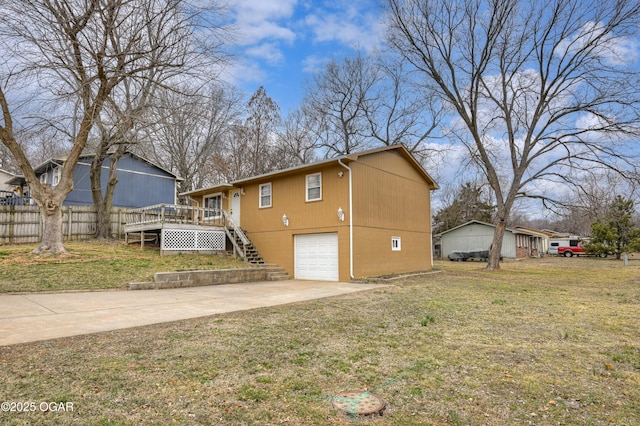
(278, 277)
(276, 273)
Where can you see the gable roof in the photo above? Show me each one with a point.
(345, 159)
(479, 222)
(59, 161)
(207, 190)
(534, 231)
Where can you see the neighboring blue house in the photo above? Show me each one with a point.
(140, 182)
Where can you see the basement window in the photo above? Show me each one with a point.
(395, 244)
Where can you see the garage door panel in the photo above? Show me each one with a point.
(316, 257)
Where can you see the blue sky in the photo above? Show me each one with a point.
(281, 43)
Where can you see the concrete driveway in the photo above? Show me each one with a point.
(32, 317)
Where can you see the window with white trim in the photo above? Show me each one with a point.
(213, 206)
(396, 244)
(57, 173)
(43, 178)
(314, 187)
(265, 195)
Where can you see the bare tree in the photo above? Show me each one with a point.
(115, 127)
(398, 113)
(260, 131)
(590, 199)
(296, 140)
(251, 146)
(540, 90)
(367, 101)
(171, 26)
(232, 162)
(39, 144)
(75, 55)
(190, 130)
(336, 101)
(55, 44)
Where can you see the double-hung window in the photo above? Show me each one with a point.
(265, 195)
(314, 187)
(57, 174)
(213, 207)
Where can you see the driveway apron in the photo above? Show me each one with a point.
(36, 316)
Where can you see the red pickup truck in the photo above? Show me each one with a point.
(567, 247)
(571, 250)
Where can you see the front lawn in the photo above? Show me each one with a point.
(542, 342)
(94, 265)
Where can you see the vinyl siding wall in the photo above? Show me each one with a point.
(391, 199)
(476, 236)
(139, 184)
(273, 240)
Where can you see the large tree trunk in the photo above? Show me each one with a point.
(52, 237)
(103, 202)
(493, 263)
(96, 194)
(107, 202)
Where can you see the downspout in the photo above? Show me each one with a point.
(431, 233)
(350, 218)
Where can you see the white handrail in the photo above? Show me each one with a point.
(236, 228)
(172, 213)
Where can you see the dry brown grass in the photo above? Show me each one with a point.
(93, 265)
(542, 342)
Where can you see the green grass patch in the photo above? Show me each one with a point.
(428, 319)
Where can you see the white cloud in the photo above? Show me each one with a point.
(313, 63)
(259, 20)
(276, 39)
(352, 27)
(267, 51)
(257, 31)
(243, 72)
(615, 50)
(448, 163)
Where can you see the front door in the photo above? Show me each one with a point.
(235, 207)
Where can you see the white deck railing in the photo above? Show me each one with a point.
(161, 214)
(173, 213)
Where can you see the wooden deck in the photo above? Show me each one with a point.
(158, 219)
(163, 214)
(159, 226)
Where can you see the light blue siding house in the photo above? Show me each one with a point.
(478, 236)
(141, 183)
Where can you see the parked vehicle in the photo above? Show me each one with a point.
(568, 247)
(571, 251)
(466, 255)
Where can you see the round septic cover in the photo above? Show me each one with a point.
(358, 403)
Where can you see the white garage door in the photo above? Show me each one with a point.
(316, 257)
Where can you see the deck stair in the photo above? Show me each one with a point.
(250, 253)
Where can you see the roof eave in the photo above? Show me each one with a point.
(208, 190)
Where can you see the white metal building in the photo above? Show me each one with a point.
(476, 235)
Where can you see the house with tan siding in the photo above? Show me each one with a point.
(358, 215)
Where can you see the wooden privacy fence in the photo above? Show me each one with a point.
(22, 224)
